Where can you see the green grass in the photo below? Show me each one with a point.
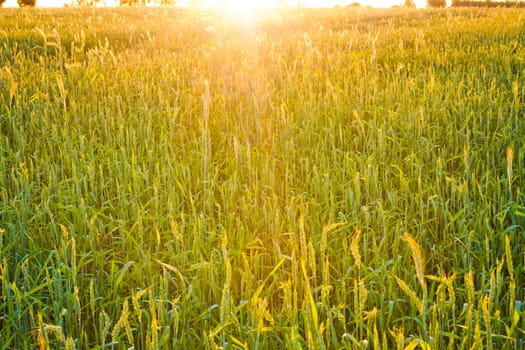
(323, 179)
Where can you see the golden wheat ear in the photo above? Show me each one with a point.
(419, 260)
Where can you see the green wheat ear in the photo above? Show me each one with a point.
(410, 293)
(510, 158)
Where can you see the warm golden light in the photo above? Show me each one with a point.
(10, 4)
(241, 11)
(52, 3)
(241, 6)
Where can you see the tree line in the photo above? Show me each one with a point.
(469, 3)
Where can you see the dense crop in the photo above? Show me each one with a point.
(318, 179)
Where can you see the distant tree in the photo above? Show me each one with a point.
(437, 3)
(410, 3)
(26, 2)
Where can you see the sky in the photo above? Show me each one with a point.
(238, 4)
(306, 3)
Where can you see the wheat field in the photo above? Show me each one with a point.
(314, 179)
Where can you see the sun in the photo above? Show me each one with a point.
(243, 12)
(249, 5)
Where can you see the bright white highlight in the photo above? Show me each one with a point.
(13, 4)
(153, 3)
(243, 5)
(240, 11)
(107, 3)
(52, 3)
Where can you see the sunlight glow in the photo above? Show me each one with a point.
(52, 3)
(254, 4)
(239, 11)
(241, 6)
(242, 12)
(153, 3)
(10, 4)
(107, 3)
